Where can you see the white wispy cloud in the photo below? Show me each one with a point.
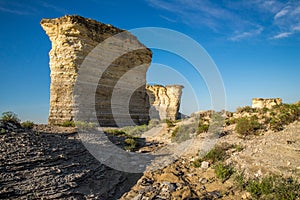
(168, 19)
(14, 11)
(53, 7)
(296, 27)
(282, 13)
(247, 34)
(238, 20)
(287, 20)
(282, 35)
(203, 14)
(16, 8)
(271, 6)
(23, 8)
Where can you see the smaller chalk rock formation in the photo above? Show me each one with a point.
(165, 101)
(265, 103)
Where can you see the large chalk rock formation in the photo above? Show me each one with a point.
(73, 38)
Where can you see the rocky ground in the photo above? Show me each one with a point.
(257, 156)
(37, 164)
(270, 152)
(50, 162)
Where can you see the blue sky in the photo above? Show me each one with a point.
(255, 45)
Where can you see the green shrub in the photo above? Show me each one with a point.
(217, 117)
(238, 147)
(223, 172)
(286, 189)
(282, 115)
(273, 113)
(275, 124)
(135, 130)
(170, 123)
(85, 125)
(116, 132)
(174, 132)
(218, 153)
(286, 118)
(275, 118)
(216, 123)
(177, 120)
(239, 180)
(27, 124)
(264, 110)
(182, 133)
(197, 163)
(130, 144)
(270, 187)
(247, 109)
(247, 126)
(288, 113)
(130, 141)
(230, 121)
(139, 130)
(10, 117)
(37, 133)
(67, 123)
(202, 127)
(274, 187)
(257, 188)
(215, 154)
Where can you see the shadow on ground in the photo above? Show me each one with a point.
(43, 165)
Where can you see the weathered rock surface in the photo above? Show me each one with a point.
(265, 103)
(165, 101)
(181, 181)
(270, 153)
(37, 165)
(73, 38)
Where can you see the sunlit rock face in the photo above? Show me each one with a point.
(73, 38)
(164, 101)
(265, 103)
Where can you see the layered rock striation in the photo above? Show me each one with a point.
(265, 103)
(73, 38)
(123, 78)
(164, 101)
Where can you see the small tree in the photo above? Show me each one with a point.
(10, 117)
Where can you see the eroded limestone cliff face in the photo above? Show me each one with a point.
(164, 101)
(265, 103)
(73, 38)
